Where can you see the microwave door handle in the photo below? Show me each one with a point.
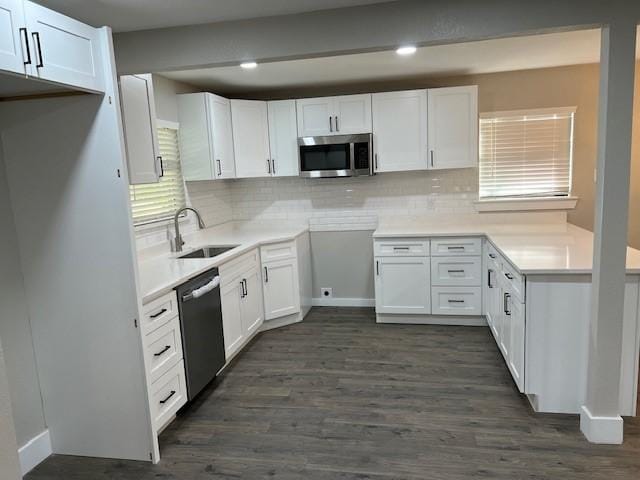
(352, 162)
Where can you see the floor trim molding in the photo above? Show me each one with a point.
(466, 321)
(607, 430)
(35, 451)
(343, 302)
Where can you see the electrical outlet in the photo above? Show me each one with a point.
(326, 292)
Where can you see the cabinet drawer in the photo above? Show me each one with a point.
(401, 248)
(278, 251)
(456, 300)
(169, 393)
(456, 246)
(515, 281)
(232, 269)
(456, 271)
(163, 349)
(158, 312)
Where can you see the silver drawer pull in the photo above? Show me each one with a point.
(161, 352)
(453, 300)
(156, 315)
(401, 248)
(492, 255)
(455, 271)
(453, 247)
(508, 275)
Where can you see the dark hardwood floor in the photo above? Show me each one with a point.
(340, 397)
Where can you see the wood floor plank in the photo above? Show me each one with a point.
(341, 397)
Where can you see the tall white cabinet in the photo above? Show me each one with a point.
(453, 127)
(283, 138)
(399, 130)
(341, 115)
(140, 129)
(206, 138)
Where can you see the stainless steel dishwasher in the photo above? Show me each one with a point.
(202, 334)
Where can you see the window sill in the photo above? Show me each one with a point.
(526, 204)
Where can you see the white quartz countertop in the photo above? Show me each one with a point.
(536, 248)
(162, 273)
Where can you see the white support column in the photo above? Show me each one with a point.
(600, 419)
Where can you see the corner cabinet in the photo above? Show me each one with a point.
(141, 134)
(206, 139)
(342, 115)
(453, 127)
(251, 138)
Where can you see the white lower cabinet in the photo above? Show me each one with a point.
(403, 285)
(163, 358)
(281, 288)
(241, 297)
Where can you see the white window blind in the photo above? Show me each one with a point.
(160, 201)
(526, 153)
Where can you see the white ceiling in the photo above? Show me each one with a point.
(127, 15)
(517, 53)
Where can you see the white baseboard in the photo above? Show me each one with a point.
(35, 451)
(601, 429)
(343, 302)
(465, 321)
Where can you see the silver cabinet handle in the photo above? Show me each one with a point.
(266, 275)
(507, 296)
(376, 161)
(337, 127)
(377, 267)
(219, 167)
(161, 352)
(161, 166)
(455, 271)
(330, 123)
(489, 272)
(453, 300)
(491, 255)
(273, 166)
(454, 247)
(508, 275)
(268, 166)
(431, 153)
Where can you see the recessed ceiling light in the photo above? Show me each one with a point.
(406, 50)
(248, 64)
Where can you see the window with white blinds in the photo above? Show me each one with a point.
(159, 201)
(526, 153)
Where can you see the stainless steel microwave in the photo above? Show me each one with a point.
(335, 156)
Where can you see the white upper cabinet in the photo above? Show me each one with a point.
(206, 139)
(400, 130)
(251, 138)
(15, 55)
(283, 138)
(453, 127)
(63, 50)
(343, 115)
(141, 136)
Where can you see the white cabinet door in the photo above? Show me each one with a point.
(231, 298)
(222, 136)
(141, 136)
(250, 138)
(352, 114)
(283, 138)
(15, 55)
(315, 117)
(516, 315)
(400, 130)
(453, 127)
(196, 150)
(64, 50)
(403, 285)
(251, 306)
(281, 288)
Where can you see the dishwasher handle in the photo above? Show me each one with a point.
(203, 290)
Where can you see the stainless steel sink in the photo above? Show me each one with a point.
(208, 251)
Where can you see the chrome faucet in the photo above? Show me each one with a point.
(178, 242)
